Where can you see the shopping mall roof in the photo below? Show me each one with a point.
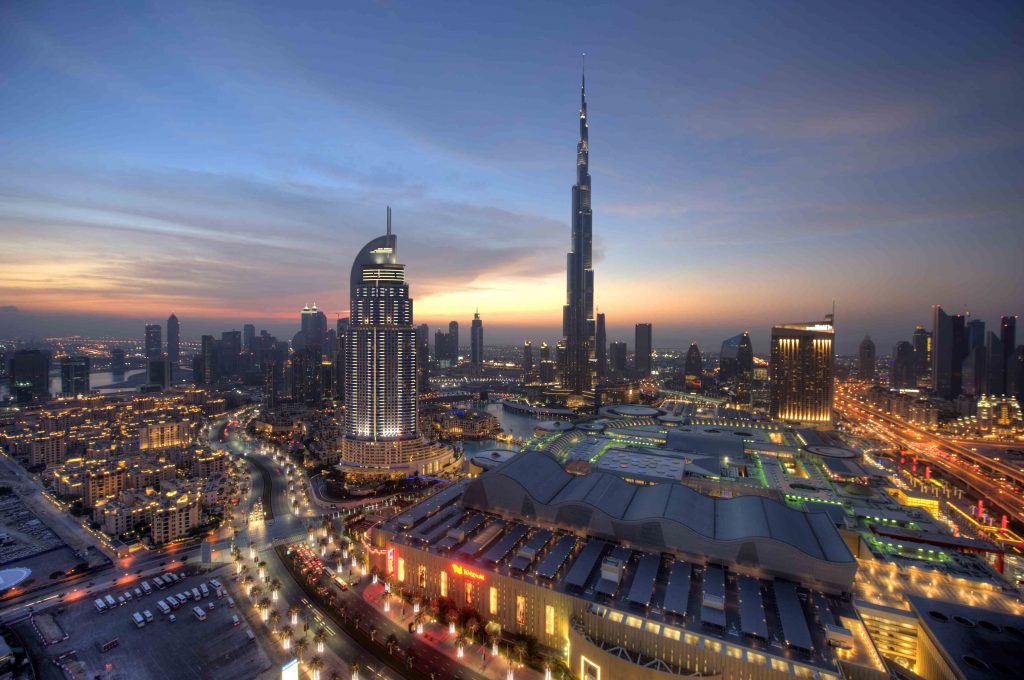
(747, 530)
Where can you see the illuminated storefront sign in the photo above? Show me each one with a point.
(290, 671)
(391, 561)
(460, 570)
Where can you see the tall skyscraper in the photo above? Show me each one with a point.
(381, 432)
(643, 346)
(453, 341)
(578, 312)
(117, 361)
(975, 334)
(693, 369)
(313, 327)
(249, 338)
(949, 349)
(801, 371)
(423, 357)
(903, 370)
(995, 365)
(30, 375)
(601, 347)
(527, 358)
(866, 363)
(173, 341)
(153, 342)
(230, 353)
(617, 357)
(341, 357)
(923, 356)
(74, 376)
(209, 355)
(476, 341)
(1008, 336)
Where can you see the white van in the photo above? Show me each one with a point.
(162, 606)
(199, 613)
(235, 621)
(148, 615)
(100, 605)
(139, 621)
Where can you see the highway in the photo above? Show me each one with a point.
(955, 459)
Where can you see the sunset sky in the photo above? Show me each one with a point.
(751, 162)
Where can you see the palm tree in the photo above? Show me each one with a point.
(520, 650)
(285, 633)
(318, 638)
(293, 614)
(275, 619)
(356, 667)
(452, 617)
(275, 588)
(256, 592)
(301, 645)
(392, 641)
(247, 583)
(373, 633)
(472, 626)
(315, 664)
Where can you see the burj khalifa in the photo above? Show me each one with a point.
(578, 312)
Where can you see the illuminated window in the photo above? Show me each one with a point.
(671, 633)
(469, 592)
(653, 627)
(633, 621)
(401, 569)
(734, 652)
(589, 670)
(780, 665)
(520, 610)
(549, 619)
(421, 576)
(493, 601)
(444, 584)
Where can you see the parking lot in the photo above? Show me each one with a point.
(162, 649)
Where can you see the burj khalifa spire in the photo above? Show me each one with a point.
(578, 312)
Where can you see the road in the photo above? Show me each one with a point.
(976, 471)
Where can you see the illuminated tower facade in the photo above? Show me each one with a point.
(381, 435)
(801, 371)
(578, 312)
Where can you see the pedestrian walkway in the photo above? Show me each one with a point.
(476, 657)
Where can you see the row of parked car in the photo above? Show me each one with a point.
(106, 602)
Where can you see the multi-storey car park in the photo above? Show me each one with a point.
(901, 540)
(625, 580)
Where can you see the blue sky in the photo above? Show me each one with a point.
(751, 161)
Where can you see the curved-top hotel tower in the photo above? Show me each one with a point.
(578, 312)
(381, 433)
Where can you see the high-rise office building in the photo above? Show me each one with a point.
(313, 329)
(975, 330)
(736, 365)
(153, 342)
(643, 347)
(117, 361)
(617, 357)
(693, 369)
(866, 359)
(249, 338)
(30, 375)
(158, 373)
(1008, 337)
(903, 370)
(949, 349)
(229, 361)
(995, 365)
(527, 358)
(974, 372)
(74, 376)
(209, 354)
(453, 341)
(601, 347)
(341, 357)
(476, 341)
(578, 312)
(305, 375)
(923, 356)
(381, 432)
(801, 371)
(173, 341)
(423, 357)
(1015, 374)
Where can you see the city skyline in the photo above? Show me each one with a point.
(746, 190)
